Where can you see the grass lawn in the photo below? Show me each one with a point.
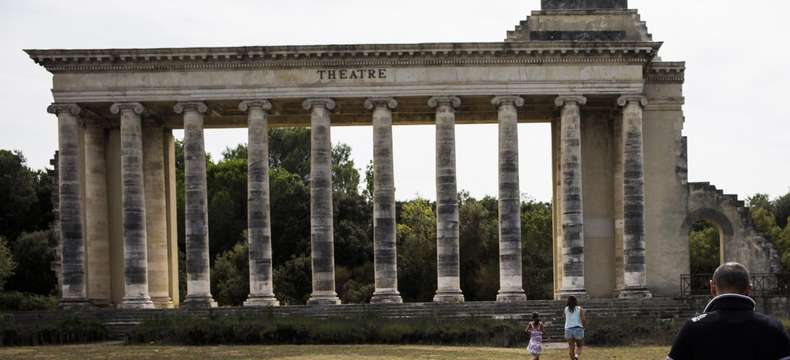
(366, 352)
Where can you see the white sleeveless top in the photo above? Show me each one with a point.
(573, 319)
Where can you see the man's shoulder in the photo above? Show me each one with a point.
(768, 322)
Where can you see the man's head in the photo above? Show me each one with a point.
(731, 278)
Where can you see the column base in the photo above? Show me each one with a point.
(579, 294)
(386, 296)
(199, 302)
(163, 302)
(136, 304)
(261, 301)
(635, 293)
(511, 296)
(449, 296)
(75, 304)
(324, 299)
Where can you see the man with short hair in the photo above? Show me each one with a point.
(729, 328)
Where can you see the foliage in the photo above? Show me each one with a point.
(301, 330)
(292, 281)
(416, 243)
(7, 264)
(230, 278)
(536, 249)
(631, 331)
(24, 196)
(68, 330)
(34, 253)
(705, 248)
(766, 215)
(17, 301)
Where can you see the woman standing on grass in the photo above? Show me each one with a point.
(574, 327)
(535, 330)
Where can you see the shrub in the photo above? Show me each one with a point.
(632, 331)
(68, 330)
(364, 329)
(7, 264)
(17, 301)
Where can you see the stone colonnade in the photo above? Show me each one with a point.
(143, 191)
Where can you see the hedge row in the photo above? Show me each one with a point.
(69, 330)
(17, 301)
(300, 330)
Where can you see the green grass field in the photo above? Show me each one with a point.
(366, 352)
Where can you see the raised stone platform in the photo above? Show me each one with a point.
(119, 322)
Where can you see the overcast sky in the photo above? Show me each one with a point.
(737, 116)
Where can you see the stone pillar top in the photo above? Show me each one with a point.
(389, 102)
(570, 99)
(56, 108)
(626, 99)
(327, 103)
(516, 101)
(263, 104)
(186, 106)
(131, 106)
(452, 101)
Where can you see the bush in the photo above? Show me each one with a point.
(270, 330)
(632, 331)
(17, 301)
(69, 330)
(7, 264)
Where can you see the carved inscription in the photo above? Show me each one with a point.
(351, 74)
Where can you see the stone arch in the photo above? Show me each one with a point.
(740, 241)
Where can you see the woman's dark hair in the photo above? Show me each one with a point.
(572, 303)
(535, 319)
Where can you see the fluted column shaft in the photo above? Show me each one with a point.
(571, 196)
(447, 244)
(385, 254)
(156, 215)
(135, 251)
(96, 221)
(510, 265)
(321, 213)
(258, 215)
(196, 207)
(635, 276)
(73, 290)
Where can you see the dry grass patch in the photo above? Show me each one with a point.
(313, 352)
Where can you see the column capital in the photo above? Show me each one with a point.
(372, 103)
(187, 106)
(516, 101)
(57, 108)
(136, 107)
(627, 99)
(570, 99)
(263, 104)
(326, 103)
(451, 101)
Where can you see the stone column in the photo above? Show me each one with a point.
(196, 206)
(384, 241)
(572, 216)
(135, 251)
(321, 217)
(96, 223)
(633, 190)
(73, 288)
(447, 247)
(258, 218)
(156, 215)
(510, 266)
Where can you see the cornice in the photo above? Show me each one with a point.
(668, 72)
(243, 58)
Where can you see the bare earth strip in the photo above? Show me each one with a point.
(360, 352)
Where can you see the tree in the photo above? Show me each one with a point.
(537, 256)
(705, 248)
(416, 234)
(34, 253)
(479, 247)
(230, 276)
(7, 264)
(782, 210)
(17, 194)
(292, 281)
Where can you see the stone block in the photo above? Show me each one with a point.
(583, 4)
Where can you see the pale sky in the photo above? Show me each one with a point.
(737, 117)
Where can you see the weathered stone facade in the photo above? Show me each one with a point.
(622, 204)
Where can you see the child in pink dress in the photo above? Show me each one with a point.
(535, 330)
